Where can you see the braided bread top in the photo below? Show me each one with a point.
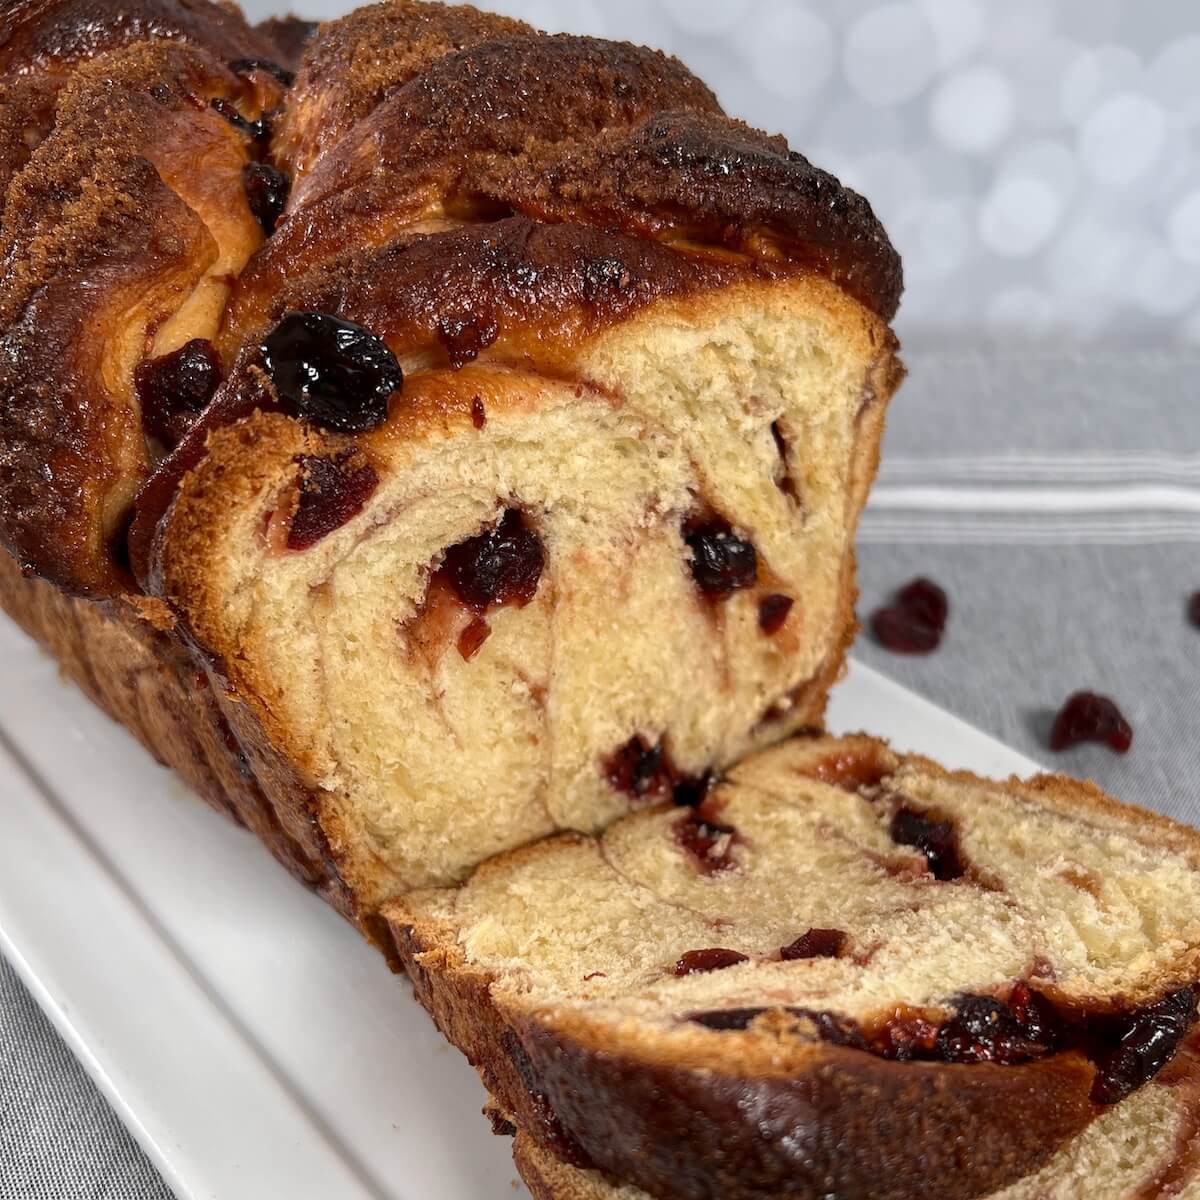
(447, 168)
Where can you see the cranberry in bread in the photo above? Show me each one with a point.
(844, 973)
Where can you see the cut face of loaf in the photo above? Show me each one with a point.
(873, 960)
(533, 600)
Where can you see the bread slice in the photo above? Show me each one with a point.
(845, 973)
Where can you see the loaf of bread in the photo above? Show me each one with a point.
(442, 444)
(490, 413)
(845, 973)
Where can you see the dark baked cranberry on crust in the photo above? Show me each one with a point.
(478, 413)
(816, 943)
(332, 491)
(333, 371)
(1149, 1040)
(266, 192)
(499, 566)
(773, 612)
(639, 770)
(935, 836)
(709, 843)
(915, 620)
(174, 389)
(715, 959)
(1087, 717)
(722, 563)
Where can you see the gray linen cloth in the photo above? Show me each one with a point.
(1056, 498)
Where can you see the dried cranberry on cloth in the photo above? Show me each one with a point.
(1056, 499)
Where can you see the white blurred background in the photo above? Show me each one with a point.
(1037, 162)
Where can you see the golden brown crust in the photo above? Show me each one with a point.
(601, 134)
(836, 1121)
(547, 1178)
(533, 291)
(48, 35)
(464, 117)
(364, 57)
(106, 232)
(26, 118)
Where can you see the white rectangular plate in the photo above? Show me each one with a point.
(252, 1042)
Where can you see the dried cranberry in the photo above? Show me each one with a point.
(816, 943)
(716, 959)
(174, 388)
(773, 612)
(898, 631)
(925, 600)
(266, 193)
(722, 562)
(500, 566)
(709, 843)
(338, 373)
(1194, 609)
(1086, 717)
(332, 491)
(1148, 1042)
(690, 791)
(935, 837)
(984, 1029)
(915, 620)
(639, 770)
(243, 66)
(478, 413)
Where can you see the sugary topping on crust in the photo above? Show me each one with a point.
(113, 222)
(40, 35)
(457, 181)
(361, 59)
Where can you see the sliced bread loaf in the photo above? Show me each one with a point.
(844, 973)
